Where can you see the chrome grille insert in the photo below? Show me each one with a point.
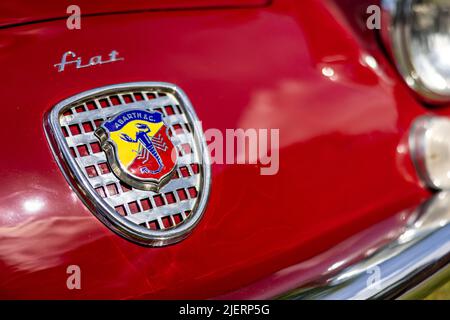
(146, 217)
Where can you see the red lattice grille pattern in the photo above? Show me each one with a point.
(154, 210)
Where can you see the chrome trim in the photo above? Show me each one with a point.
(80, 184)
(420, 253)
(416, 141)
(94, 61)
(420, 134)
(395, 21)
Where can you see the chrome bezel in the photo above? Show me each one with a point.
(80, 184)
(396, 22)
(418, 148)
(416, 141)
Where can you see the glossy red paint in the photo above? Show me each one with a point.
(24, 11)
(343, 115)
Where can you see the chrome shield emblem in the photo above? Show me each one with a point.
(135, 154)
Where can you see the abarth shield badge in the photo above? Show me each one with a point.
(138, 148)
(136, 156)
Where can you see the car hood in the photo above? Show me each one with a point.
(13, 12)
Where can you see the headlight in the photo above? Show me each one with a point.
(417, 34)
(430, 150)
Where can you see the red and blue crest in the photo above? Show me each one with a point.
(138, 148)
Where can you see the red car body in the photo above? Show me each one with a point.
(344, 163)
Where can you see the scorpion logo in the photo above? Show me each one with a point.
(138, 148)
(147, 147)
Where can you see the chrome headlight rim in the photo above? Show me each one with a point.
(429, 150)
(395, 30)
